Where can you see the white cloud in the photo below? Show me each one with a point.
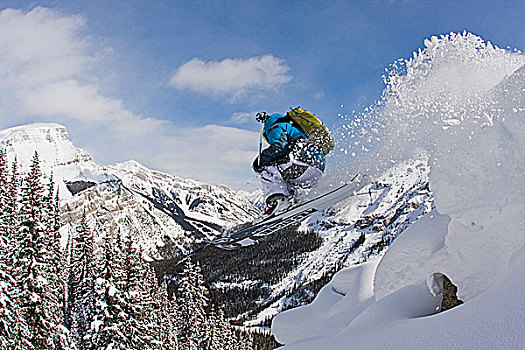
(231, 78)
(44, 56)
(242, 117)
(211, 153)
(213, 145)
(68, 98)
(46, 62)
(83, 103)
(41, 46)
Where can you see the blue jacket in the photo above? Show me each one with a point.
(285, 139)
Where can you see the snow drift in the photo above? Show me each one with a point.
(462, 101)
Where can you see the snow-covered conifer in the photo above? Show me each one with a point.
(8, 308)
(215, 338)
(13, 327)
(229, 339)
(192, 304)
(52, 208)
(137, 298)
(81, 286)
(68, 305)
(108, 310)
(55, 267)
(3, 193)
(12, 205)
(38, 300)
(222, 335)
(7, 316)
(164, 314)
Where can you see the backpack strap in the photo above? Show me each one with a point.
(284, 119)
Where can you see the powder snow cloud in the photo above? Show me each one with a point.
(233, 78)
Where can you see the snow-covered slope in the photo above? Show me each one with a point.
(356, 229)
(165, 213)
(353, 308)
(211, 206)
(463, 100)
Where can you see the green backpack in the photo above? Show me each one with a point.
(318, 134)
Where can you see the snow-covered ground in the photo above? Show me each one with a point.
(454, 116)
(462, 101)
(386, 304)
(352, 230)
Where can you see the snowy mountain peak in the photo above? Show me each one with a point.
(130, 164)
(45, 132)
(132, 168)
(50, 140)
(57, 155)
(39, 127)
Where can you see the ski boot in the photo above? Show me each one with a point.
(275, 204)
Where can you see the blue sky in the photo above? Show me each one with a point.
(174, 84)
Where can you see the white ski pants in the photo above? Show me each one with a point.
(282, 178)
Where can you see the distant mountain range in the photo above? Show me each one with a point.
(164, 213)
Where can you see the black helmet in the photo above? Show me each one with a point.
(261, 117)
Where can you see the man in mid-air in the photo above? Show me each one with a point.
(293, 158)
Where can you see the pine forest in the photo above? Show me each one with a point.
(92, 290)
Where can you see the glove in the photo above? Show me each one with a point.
(256, 166)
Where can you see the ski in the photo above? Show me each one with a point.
(293, 215)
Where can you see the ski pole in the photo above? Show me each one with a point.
(260, 143)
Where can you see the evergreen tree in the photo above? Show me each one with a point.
(52, 209)
(68, 304)
(4, 194)
(241, 340)
(215, 337)
(164, 316)
(192, 304)
(105, 307)
(55, 267)
(12, 206)
(8, 308)
(138, 302)
(7, 316)
(230, 338)
(4, 190)
(109, 306)
(37, 298)
(196, 329)
(13, 328)
(29, 274)
(81, 286)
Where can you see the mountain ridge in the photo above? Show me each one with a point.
(168, 206)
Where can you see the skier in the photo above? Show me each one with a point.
(290, 161)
